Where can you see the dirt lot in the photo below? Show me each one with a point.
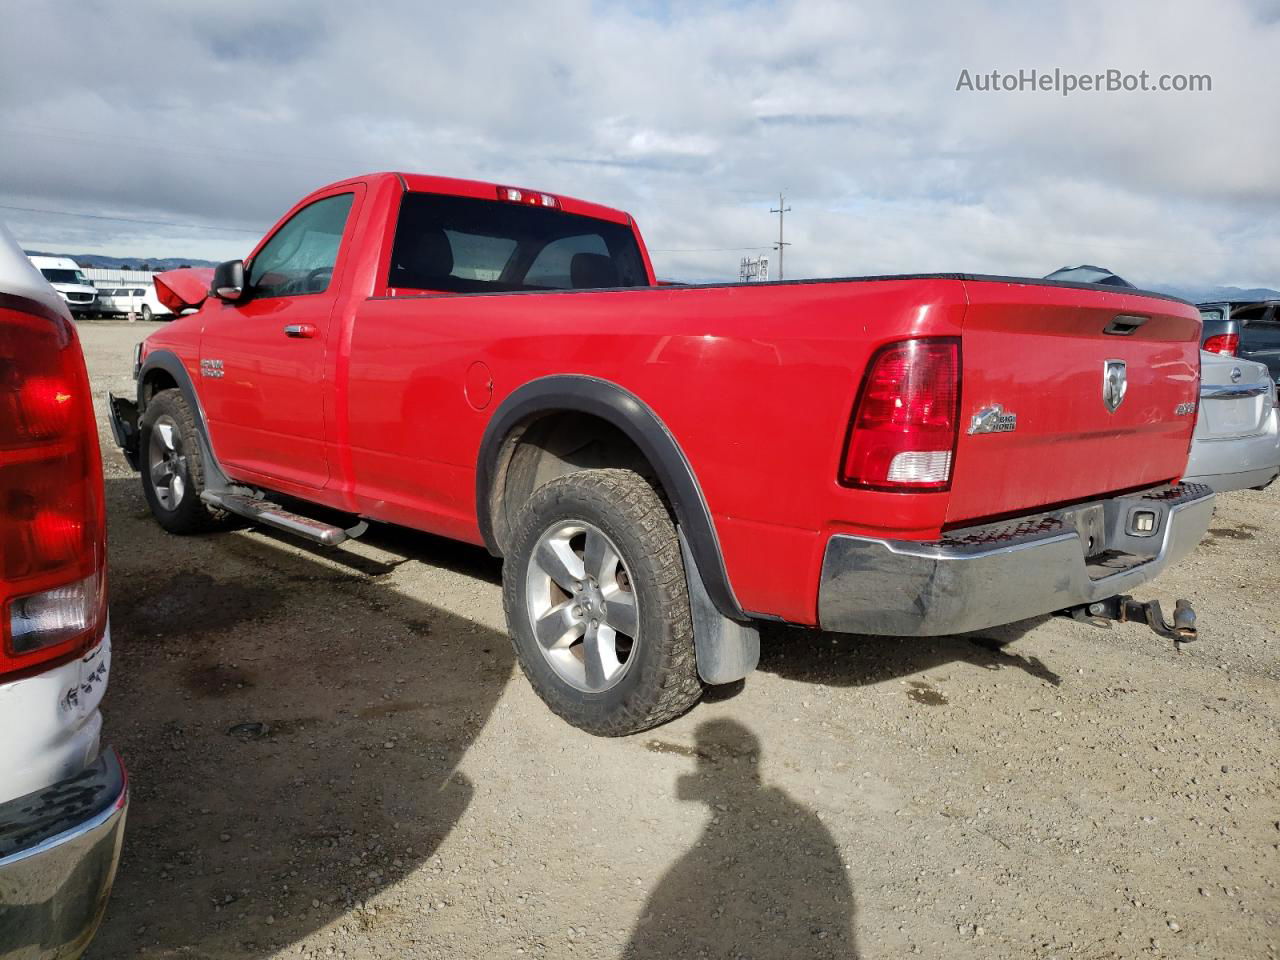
(333, 754)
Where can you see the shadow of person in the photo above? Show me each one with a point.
(293, 727)
(764, 881)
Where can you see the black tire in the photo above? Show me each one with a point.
(660, 680)
(146, 313)
(185, 513)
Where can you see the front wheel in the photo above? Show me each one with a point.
(597, 604)
(173, 467)
(147, 316)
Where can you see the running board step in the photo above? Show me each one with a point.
(274, 515)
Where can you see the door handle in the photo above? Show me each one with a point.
(301, 331)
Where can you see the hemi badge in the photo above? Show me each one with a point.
(993, 419)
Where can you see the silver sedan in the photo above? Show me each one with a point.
(1236, 445)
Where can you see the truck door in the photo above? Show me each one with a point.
(263, 358)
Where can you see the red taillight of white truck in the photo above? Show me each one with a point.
(905, 424)
(52, 522)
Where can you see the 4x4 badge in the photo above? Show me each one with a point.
(1115, 383)
(993, 419)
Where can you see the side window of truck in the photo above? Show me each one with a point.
(300, 257)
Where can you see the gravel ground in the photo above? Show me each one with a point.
(333, 754)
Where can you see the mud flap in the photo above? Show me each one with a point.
(727, 650)
(124, 425)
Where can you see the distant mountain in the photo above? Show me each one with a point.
(1207, 294)
(158, 264)
(1193, 294)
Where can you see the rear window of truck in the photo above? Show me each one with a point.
(464, 245)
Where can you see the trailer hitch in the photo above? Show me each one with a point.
(1125, 609)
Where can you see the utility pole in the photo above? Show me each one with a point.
(782, 208)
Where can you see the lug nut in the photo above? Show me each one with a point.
(577, 611)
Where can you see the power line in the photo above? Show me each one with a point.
(782, 208)
(705, 249)
(155, 223)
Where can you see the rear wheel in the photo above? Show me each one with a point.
(597, 604)
(172, 466)
(146, 313)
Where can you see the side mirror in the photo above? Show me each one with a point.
(228, 281)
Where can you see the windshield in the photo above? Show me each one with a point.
(466, 245)
(57, 275)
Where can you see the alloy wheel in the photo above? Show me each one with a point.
(167, 463)
(581, 606)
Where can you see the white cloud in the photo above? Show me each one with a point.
(693, 120)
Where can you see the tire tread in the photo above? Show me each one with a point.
(673, 686)
(193, 514)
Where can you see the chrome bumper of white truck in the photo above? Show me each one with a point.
(59, 848)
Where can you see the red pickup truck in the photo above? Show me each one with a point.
(663, 466)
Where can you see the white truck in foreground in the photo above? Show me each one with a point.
(62, 798)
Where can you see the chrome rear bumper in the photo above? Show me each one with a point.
(59, 848)
(1006, 571)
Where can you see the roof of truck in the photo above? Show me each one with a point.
(488, 190)
(55, 263)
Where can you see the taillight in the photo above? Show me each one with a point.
(903, 433)
(1225, 343)
(54, 617)
(52, 524)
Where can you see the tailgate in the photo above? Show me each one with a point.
(183, 289)
(1057, 359)
(1235, 398)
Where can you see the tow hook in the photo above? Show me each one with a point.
(1125, 609)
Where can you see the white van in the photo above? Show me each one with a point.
(136, 298)
(66, 277)
(113, 301)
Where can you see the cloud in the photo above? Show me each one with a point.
(691, 116)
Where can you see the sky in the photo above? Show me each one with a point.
(208, 121)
